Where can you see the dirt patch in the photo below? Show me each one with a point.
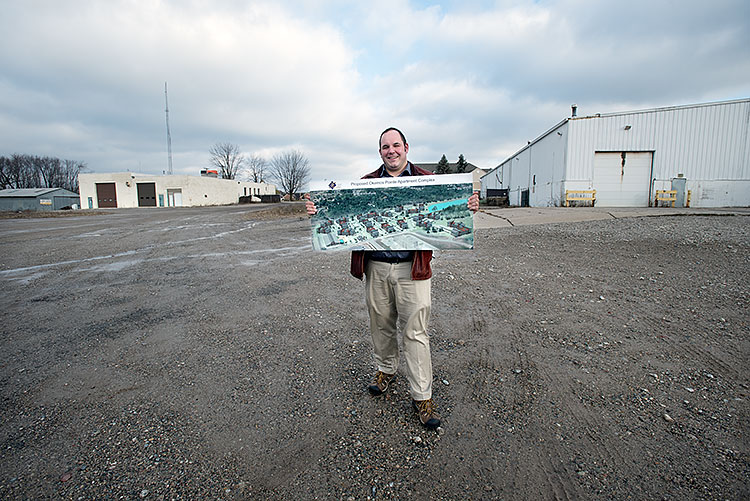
(206, 353)
(282, 210)
(27, 214)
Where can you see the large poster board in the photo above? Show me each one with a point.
(393, 213)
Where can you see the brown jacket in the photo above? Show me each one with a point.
(420, 268)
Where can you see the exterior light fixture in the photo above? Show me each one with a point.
(628, 127)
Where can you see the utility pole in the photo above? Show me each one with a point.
(169, 136)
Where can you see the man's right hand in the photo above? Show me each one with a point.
(310, 206)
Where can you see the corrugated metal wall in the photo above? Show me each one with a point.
(707, 144)
(539, 168)
(547, 168)
(47, 201)
(702, 142)
(492, 180)
(58, 202)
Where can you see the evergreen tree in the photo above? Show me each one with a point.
(443, 167)
(461, 164)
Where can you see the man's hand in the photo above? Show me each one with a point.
(312, 210)
(473, 202)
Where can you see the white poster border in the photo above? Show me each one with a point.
(386, 182)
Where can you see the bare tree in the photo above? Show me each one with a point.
(70, 171)
(56, 173)
(5, 173)
(227, 158)
(27, 171)
(18, 172)
(256, 168)
(291, 170)
(49, 171)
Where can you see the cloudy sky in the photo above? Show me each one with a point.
(84, 80)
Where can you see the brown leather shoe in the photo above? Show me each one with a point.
(380, 383)
(428, 416)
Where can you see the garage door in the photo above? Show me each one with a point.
(146, 194)
(105, 195)
(622, 179)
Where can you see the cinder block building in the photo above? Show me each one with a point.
(128, 189)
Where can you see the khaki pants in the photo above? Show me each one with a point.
(394, 301)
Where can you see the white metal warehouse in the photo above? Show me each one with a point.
(702, 151)
(128, 189)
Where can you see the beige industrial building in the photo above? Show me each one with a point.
(129, 189)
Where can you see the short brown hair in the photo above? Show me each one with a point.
(403, 138)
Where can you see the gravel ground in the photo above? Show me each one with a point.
(209, 353)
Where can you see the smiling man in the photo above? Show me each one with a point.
(398, 293)
(393, 150)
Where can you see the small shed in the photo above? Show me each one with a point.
(37, 199)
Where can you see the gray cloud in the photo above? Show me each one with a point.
(86, 81)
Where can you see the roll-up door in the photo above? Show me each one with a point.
(146, 194)
(106, 195)
(622, 179)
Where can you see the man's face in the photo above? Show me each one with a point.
(393, 152)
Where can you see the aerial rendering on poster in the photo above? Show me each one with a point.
(401, 213)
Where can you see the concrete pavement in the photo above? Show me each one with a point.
(502, 217)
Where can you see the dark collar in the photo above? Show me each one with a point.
(406, 172)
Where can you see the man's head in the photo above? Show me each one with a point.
(393, 149)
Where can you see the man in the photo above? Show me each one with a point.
(398, 295)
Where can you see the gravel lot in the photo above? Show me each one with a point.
(209, 353)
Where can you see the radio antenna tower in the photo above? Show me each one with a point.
(169, 136)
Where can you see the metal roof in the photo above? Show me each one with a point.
(31, 192)
(661, 109)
